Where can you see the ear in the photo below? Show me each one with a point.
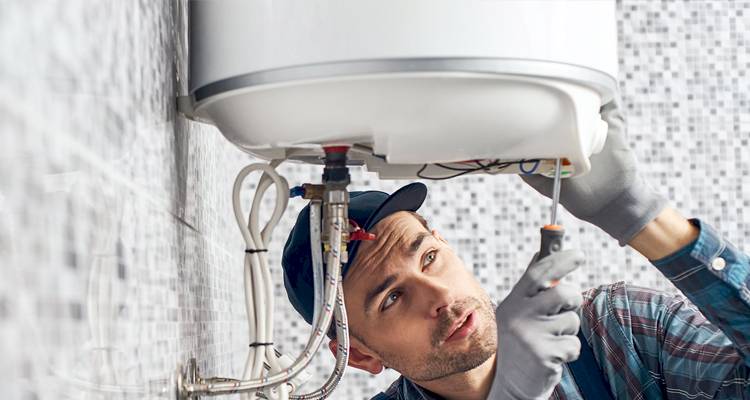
(438, 237)
(359, 357)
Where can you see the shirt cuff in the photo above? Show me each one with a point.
(707, 260)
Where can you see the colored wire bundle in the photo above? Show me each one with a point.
(493, 167)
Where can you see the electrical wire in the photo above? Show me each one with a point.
(419, 174)
(532, 170)
(494, 167)
(456, 169)
(360, 148)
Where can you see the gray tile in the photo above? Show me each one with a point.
(119, 252)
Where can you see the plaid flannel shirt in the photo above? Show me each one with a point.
(654, 345)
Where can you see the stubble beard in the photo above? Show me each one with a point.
(442, 362)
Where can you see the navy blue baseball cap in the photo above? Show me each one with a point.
(366, 209)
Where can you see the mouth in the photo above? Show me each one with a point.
(463, 327)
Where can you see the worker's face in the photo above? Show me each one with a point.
(405, 296)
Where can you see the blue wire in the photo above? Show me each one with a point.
(520, 166)
(296, 191)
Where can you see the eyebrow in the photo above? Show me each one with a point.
(388, 281)
(417, 243)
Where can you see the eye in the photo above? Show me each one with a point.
(429, 258)
(390, 299)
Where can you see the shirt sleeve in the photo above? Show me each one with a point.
(714, 275)
(652, 344)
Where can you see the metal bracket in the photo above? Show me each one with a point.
(190, 375)
(186, 107)
(186, 375)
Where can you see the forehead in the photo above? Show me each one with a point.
(394, 235)
(397, 223)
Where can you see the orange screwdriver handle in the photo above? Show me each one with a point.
(552, 238)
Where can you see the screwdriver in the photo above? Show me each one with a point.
(552, 234)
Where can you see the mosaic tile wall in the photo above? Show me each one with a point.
(118, 250)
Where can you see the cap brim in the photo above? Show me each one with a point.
(408, 198)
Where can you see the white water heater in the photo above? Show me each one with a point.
(413, 85)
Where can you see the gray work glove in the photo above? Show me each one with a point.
(613, 195)
(537, 326)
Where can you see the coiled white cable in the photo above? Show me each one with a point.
(265, 236)
(259, 298)
(332, 280)
(258, 286)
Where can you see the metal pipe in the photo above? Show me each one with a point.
(342, 353)
(556, 190)
(220, 386)
(317, 258)
(335, 237)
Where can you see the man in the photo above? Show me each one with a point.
(414, 307)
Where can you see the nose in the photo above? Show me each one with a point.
(437, 295)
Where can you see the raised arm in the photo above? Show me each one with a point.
(708, 270)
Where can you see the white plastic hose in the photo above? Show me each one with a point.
(332, 281)
(259, 297)
(258, 286)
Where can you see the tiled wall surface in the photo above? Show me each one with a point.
(119, 256)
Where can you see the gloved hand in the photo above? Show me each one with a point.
(612, 196)
(537, 326)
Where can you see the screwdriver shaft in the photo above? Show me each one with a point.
(556, 190)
